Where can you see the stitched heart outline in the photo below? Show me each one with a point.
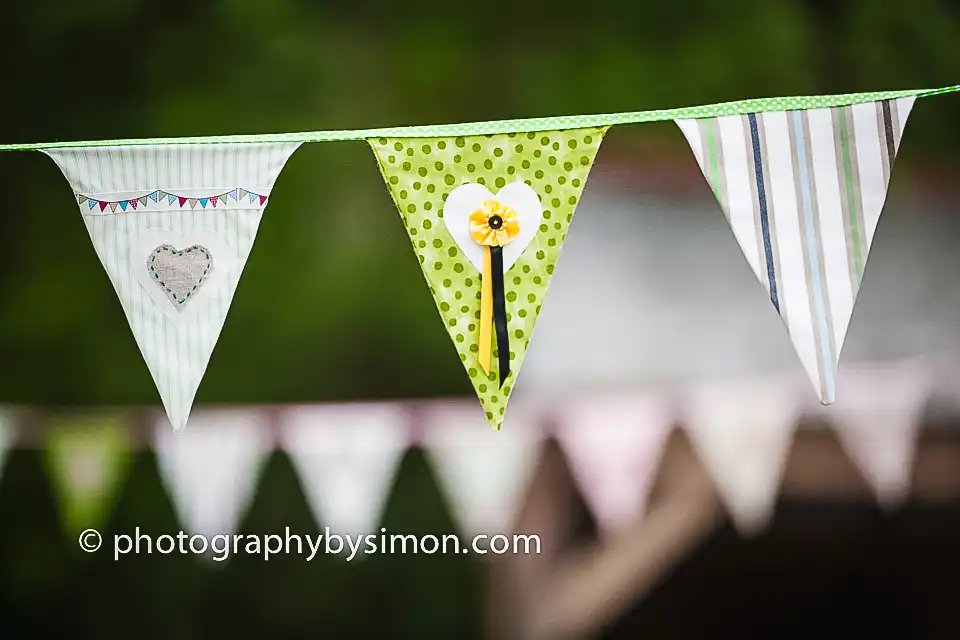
(216, 285)
(165, 259)
(469, 197)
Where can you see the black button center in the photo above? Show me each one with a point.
(495, 222)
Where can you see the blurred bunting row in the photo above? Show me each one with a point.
(347, 455)
(487, 208)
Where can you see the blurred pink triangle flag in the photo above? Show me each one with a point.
(802, 191)
(483, 472)
(878, 422)
(742, 433)
(212, 470)
(346, 457)
(614, 446)
(174, 268)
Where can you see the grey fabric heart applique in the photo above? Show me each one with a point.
(180, 273)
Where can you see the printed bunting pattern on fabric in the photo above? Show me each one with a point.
(161, 200)
(421, 174)
(803, 192)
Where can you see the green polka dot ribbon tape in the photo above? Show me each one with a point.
(742, 107)
(472, 204)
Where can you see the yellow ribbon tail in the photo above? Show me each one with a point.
(486, 312)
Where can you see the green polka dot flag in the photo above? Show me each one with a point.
(420, 173)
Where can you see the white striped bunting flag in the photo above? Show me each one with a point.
(802, 191)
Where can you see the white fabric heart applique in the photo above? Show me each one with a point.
(468, 198)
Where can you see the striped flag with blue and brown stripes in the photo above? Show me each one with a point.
(802, 191)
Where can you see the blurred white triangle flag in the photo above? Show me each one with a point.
(484, 472)
(346, 457)
(212, 469)
(742, 433)
(614, 446)
(877, 421)
(174, 238)
(6, 437)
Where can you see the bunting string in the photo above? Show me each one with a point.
(524, 125)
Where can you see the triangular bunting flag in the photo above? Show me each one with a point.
(742, 433)
(802, 191)
(153, 196)
(263, 200)
(175, 275)
(143, 200)
(182, 201)
(877, 420)
(87, 458)
(91, 204)
(241, 194)
(346, 457)
(193, 202)
(232, 194)
(212, 469)
(203, 202)
(133, 203)
(253, 197)
(485, 474)
(123, 205)
(113, 207)
(500, 205)
(80, 198)
(614, 446)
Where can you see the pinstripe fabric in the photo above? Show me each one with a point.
(176, 347)
(802, 191)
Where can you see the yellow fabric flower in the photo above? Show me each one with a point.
(494, 224)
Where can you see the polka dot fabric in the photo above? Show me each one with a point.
(420, 174)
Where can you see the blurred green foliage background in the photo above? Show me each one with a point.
(332, 300)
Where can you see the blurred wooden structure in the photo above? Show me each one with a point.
(575, 590)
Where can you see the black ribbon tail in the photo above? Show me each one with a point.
(500, 312)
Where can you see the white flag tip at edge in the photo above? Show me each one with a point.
(346, 457)
(877, 418)
(6, 436)
(212, 469)
(743, 433)
(614, 444)
(484, 472)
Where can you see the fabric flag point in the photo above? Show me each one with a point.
(153, 196)
(510, 198)
(484, 474)
(87, 459)
(614, 446)
(6, 436)
(176, 301)
(878, 420)
(742, 433)
(346, 457)
(212, 469)
(803, 191)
